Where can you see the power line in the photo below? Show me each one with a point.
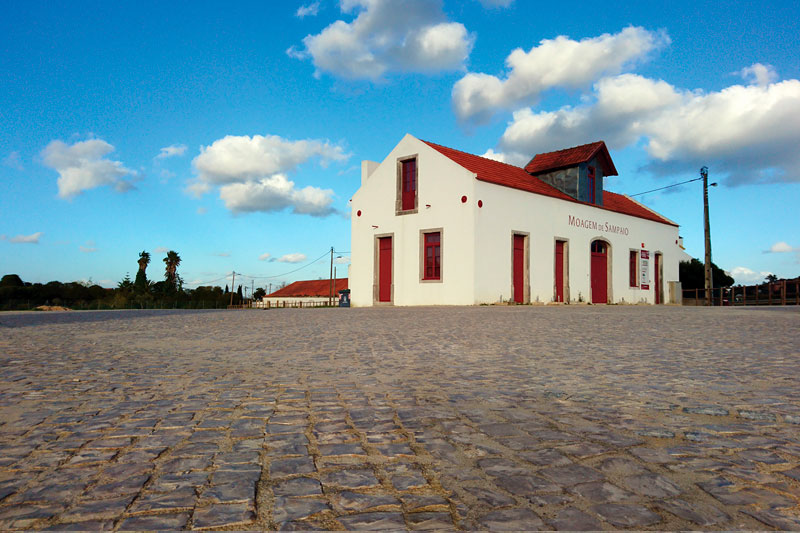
(667, 187)
(287, 273)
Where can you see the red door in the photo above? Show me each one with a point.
(519, 268)
(559, 271)
(385, 269)
(659, 296)
(599, 272)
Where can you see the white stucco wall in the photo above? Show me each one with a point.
(506, 211)
(476, 242)
(441, 185)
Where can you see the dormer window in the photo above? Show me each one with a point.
(591, 186)
(407, 186)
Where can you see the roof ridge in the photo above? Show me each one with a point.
(429, 143)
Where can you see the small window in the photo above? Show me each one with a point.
(409, 184)
(591, 185)
(633, 267)
(598, 247)
(432, 268)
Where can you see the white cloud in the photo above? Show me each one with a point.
(310, 10)
(237, 159)
(748, 133)
(781, 247)
(497, 156)
(264, 257)
(221, 254)
(341, 260)
(274, 194)
(26, 239)
(496, 4)
(559, 62)
(759, 74)
(83, 166)
(88, 248)
(292, 258)
(173, 150)
(14, 161)
(387, 35)
(161, 250)
(202, 210)
(250, 173)
(746, 276)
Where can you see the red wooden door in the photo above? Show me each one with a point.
(659, 296)
(559, 271)
(519, 268)
(385, 269)
(599, 273)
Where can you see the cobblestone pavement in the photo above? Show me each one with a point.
(568, 417)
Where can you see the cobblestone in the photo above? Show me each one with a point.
(435, 418)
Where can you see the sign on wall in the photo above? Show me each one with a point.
(644, 270)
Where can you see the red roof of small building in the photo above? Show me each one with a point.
(507, 175)
(569, 157)
(313, 287)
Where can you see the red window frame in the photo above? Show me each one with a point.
(408, 188)
(633, 266)
(432, 248)
(591, 184)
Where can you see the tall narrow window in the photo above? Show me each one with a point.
(633, 266)
(409, 184)
(591, 185)
(433, 256)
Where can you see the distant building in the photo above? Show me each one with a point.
(305, 292)
(432, 225)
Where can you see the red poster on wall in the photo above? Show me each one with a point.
(644, 271)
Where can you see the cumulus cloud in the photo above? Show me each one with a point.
(780, 247)
(88, 248)
(746, 133)
(387, 35)
(83, 166)
(173, 150)
(759, 74)
(747, 276)
(264, 257)
(292, 258)
(251, 173)
(161, 250)
(310, 10)
(274, 194)
(14, 161)
(496, 4)
(559, 62)
(341, 260)
(26, 239)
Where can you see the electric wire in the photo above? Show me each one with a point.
(667, 187)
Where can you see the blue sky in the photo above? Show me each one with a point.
(234, 134)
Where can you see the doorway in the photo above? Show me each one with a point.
(599, 272)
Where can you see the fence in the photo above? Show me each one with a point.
(779, 293)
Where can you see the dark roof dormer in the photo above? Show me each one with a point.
(570, 157)
(577, 171)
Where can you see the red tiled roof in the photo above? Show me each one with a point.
(570, 157)
(507, 175)
(312, 287)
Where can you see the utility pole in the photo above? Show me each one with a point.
(709, 280)
(252, 291)
(233, 284)
(330, 294)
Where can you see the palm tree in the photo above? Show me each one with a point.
(172, 261)
(144, 260)
(141, 284)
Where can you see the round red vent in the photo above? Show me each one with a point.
(463, 199)
(358, 213)
(480, 203)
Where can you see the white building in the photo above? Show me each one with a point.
(432, 226)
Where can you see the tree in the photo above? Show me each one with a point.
(239, 293)
(771, 278)
(11, 280)
(126, 284)
(172, 261)
(692, 275)
(141, 285)
(259, 293)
